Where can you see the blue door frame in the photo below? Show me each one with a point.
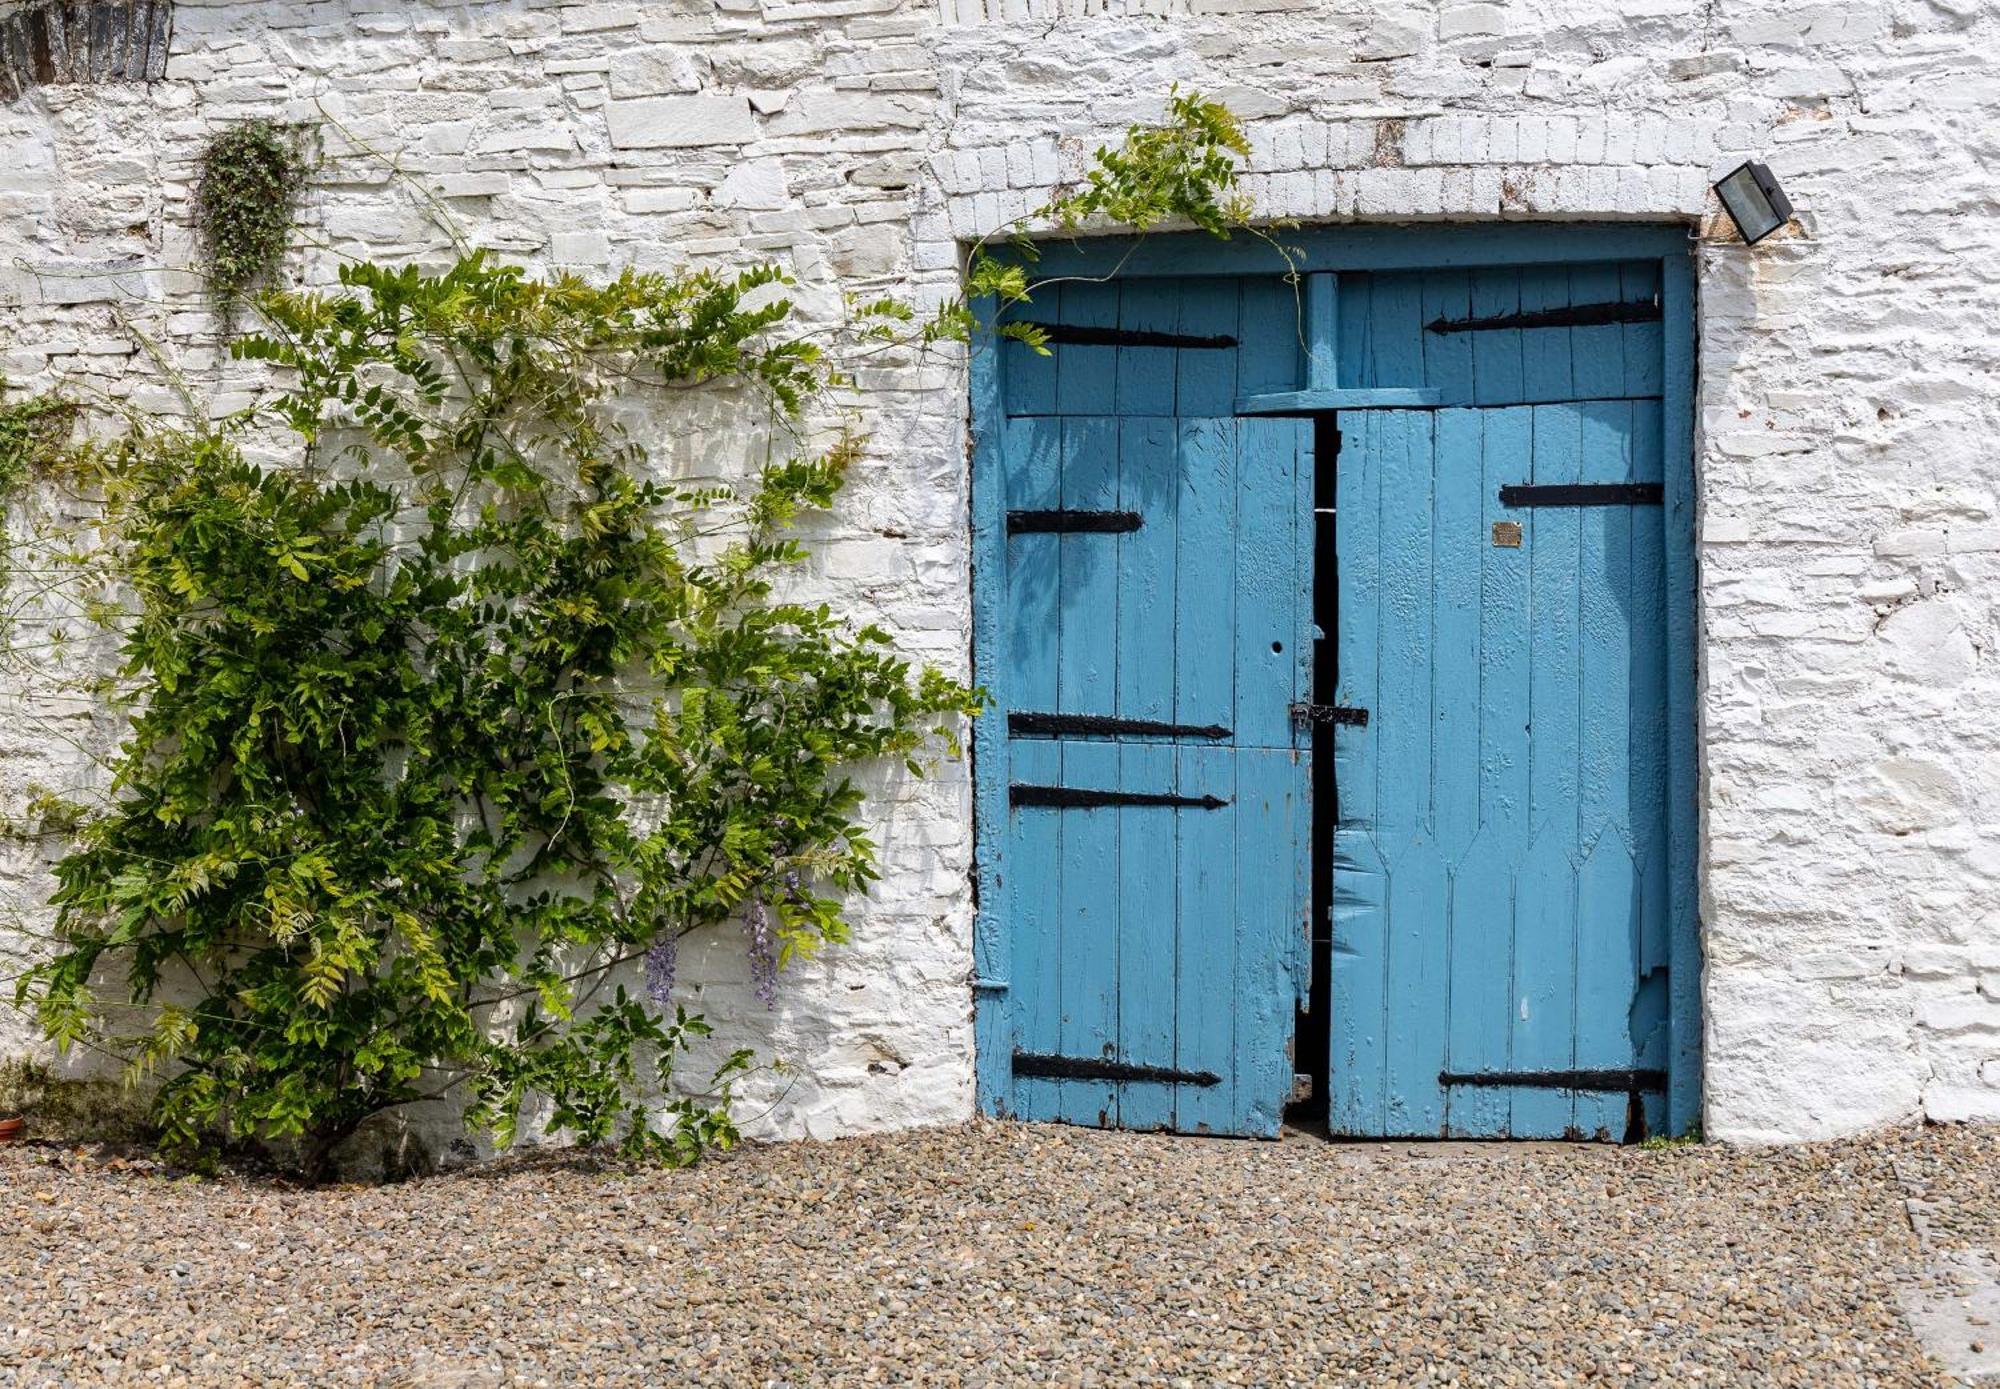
(1322, 371)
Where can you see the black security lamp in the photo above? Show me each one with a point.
(1754, 201)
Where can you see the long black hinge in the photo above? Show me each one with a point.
(1063, 522)
(1574, 316)
(1330, 713)
(1086, 335)
(1100, 726)
(1078, 798)
(1028, 1063)
(1582, 494)
(1610, 1080)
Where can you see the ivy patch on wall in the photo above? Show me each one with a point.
(248, 188)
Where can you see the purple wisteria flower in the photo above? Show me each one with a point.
(660, 961)
(763, 952)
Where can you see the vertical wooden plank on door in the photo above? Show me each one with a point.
(1087, 680)
(991, 947)
(1205, 378)
(1496, 353)
(1545, 915)
(1204, 693)
(1396, 329)
(1148, 862)
(1270, 353)
(1032, 458)
(1306, 525)
(1545, 352)
(1266, 821)
(1268, 772)
(1146, 374)
(1286, 327)
(1597, 351)
(1357, 315)
(1484, 887)
(1147, 387)
(1265, 639)
(1639, 283)
(1029, 376)
(1087, 375)
(1460, 542)
(1360, 958)
(1608, 888)
(1447, 365)
(1649, 749)
(1684, 928)
(1403, 724)
(1205, 969)
(1404, 718)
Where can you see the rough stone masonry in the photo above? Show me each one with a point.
(1849, 394)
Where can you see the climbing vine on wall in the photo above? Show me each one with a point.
(33, 433)
(34, 437)
(1180, 171)
(246, 196)
(454, 713)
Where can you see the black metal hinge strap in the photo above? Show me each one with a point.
(1071, 522)
(1078, 798)
(1573, 316)
(1582, 494)
(1028, 1063)
(1330, 713)
(1100, 726)
(1085, 335)
(1610, 1080)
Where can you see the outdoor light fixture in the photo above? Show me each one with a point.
(1754, 201)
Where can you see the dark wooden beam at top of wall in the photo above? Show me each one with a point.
(63, 42)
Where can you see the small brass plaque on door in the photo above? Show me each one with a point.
(1507, 534)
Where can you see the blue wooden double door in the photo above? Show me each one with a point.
(1416, 527)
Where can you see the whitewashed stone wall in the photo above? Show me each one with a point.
(1848, 395)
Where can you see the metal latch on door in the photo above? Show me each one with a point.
(1303, 714)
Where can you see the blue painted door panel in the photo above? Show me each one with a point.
(1163, 936)
(1512, 844)
(1160, 935)
(1387, 334)
(1500, 861)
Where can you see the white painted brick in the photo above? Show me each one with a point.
(674, 122)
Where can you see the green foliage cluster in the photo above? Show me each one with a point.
(34, 437)
(451, 710)
(1181, 171)
(448, 719)
(246, 195)
(34, 433)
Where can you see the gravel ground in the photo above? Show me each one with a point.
(1953, 1177)
(996, 1254)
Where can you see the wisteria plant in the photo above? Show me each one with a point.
(451, 713)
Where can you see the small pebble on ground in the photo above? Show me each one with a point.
(999, 1254)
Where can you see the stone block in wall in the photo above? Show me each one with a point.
(680, 122)
(754, 184)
